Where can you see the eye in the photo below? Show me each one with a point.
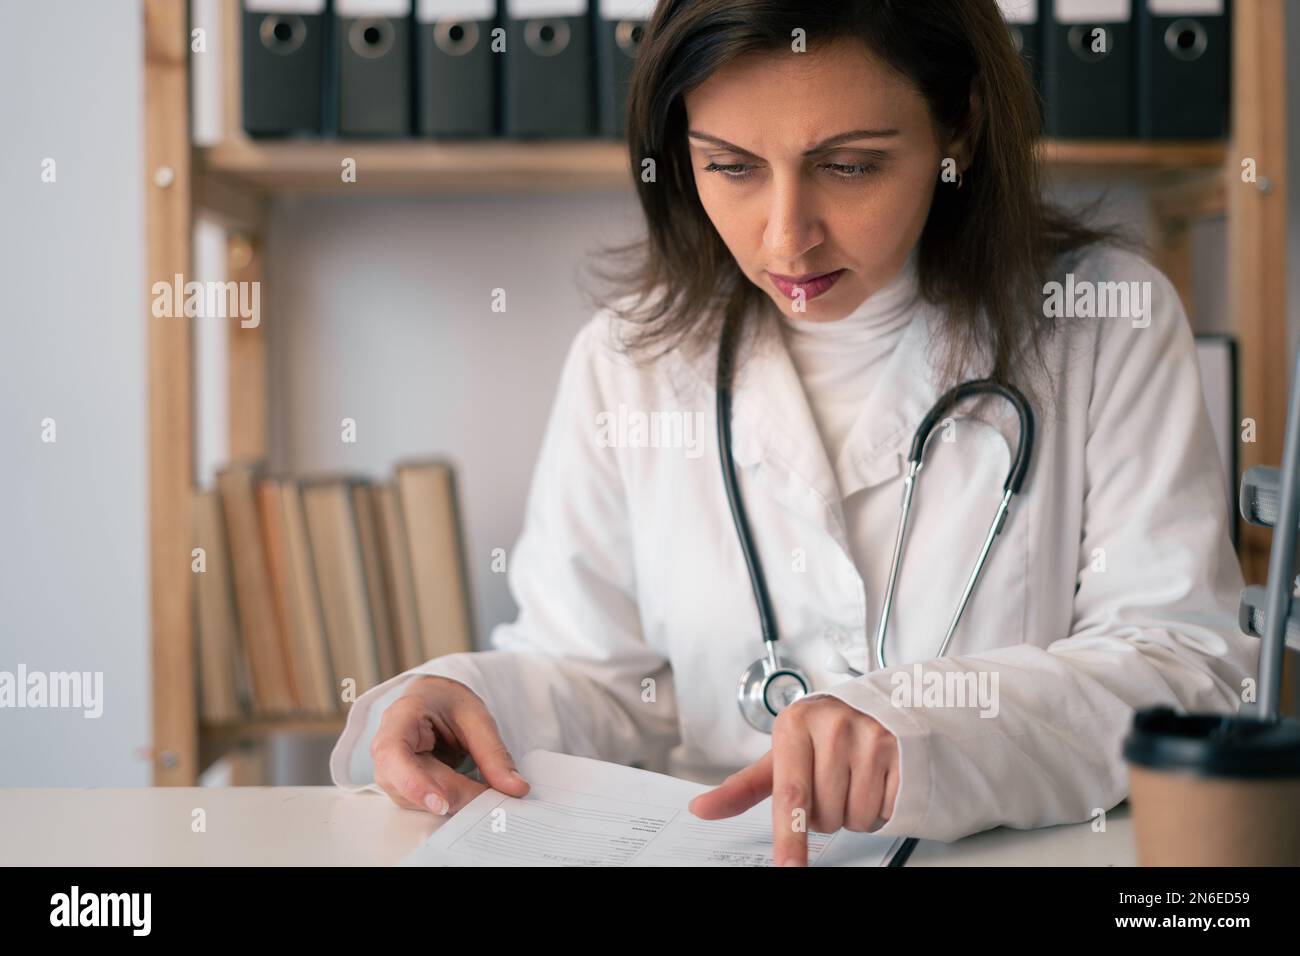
(851, 170)
(742, 171)
(736, 171)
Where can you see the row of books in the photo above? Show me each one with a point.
(307, 589)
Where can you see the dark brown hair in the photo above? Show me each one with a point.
(985, 250)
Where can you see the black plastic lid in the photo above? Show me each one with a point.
(1216, 745)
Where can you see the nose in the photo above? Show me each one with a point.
(793, 224)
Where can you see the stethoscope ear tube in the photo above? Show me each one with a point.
(983, 386)
(1010, 487)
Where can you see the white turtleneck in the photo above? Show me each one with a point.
(839, 361)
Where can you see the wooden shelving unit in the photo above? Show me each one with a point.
(233, 181)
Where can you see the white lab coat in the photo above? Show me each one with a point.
(1112, 586)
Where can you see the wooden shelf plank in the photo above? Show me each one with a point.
(1134, 155)
(425, 167)
(246, 741)
(307, 166)
(262, 727)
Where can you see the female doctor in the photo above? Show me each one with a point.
(847, 195)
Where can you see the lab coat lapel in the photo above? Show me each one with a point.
(774, 433)
(878, 443)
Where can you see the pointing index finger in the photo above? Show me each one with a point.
(792, 776)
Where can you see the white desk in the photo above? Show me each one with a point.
(325, 826)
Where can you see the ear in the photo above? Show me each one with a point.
(962, 145)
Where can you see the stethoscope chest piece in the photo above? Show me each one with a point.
(765, 691)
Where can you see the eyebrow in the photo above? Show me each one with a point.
(836, 140)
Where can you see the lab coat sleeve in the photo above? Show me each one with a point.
(572, 673)
(1153, 619)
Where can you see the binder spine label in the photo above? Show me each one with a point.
(1019, 11)
(1093, 11)
(636, 9)
(536, 9)
(372, 8)
(431, 11)
(1185, 8)
(303, 7)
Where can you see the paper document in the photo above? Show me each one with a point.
(583, 812)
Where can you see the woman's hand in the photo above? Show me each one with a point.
(830, 766)
(425, 734)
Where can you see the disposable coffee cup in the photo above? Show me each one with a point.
(1214, 789)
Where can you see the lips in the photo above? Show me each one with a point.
(812, 284)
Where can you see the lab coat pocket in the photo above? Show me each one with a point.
(954, 503)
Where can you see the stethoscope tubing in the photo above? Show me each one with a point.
(766, 616)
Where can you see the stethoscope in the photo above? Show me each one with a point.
(774, 682)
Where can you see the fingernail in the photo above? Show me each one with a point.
(436, 804)
(515, 774)
(790, 861)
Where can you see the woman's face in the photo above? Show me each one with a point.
(817, 170)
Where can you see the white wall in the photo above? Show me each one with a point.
(73, 519)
